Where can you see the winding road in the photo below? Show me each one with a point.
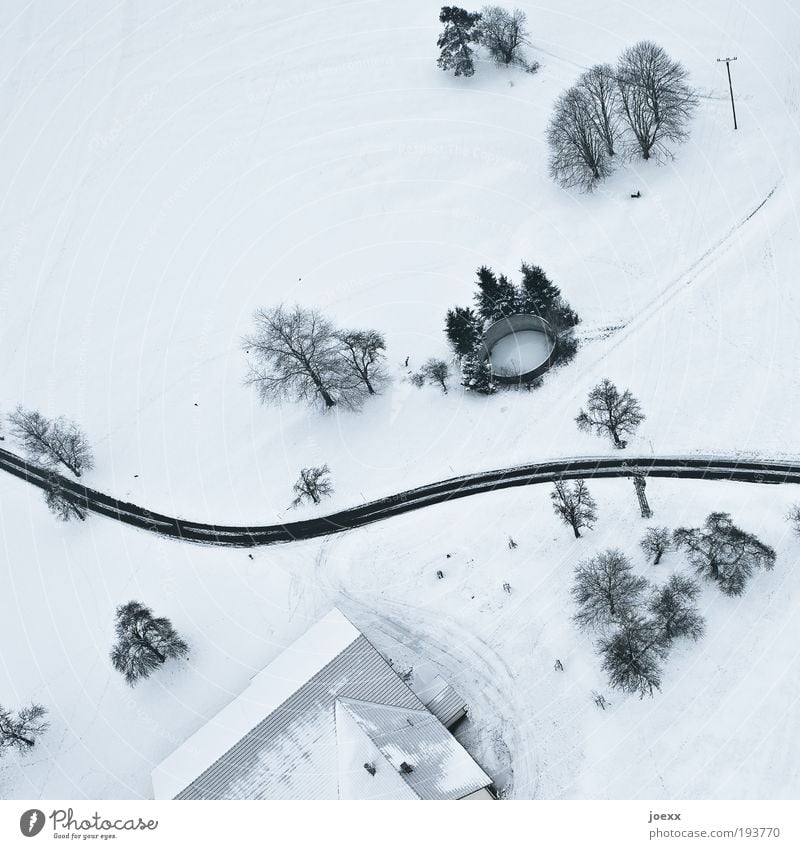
(243, 536)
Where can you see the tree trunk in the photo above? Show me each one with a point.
(161, 657)
(329, 402)
(575, 529)
(658, 557)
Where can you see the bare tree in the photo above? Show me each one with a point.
(633, 655)
(19, 731)
(793, 517)
(144, 642)
(606, 590)
(574, 506)
(363, 352)
(51, 441)
(313, 485)
(724, 553)
(578, 155)
(655, 542)
(62, 502)
(656, 101)
(504, 34)
(296, 353)
(674, 610)
(436, 371)
(608, 411)
(599, 84)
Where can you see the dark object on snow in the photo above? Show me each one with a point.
(637, 195)
(406, 362)
(370, 768)
(558, 666)
(507, 588)
(600, 700)
(406, 768)
(144, 642)
(512, 543)
(610, 412)
(439, 573)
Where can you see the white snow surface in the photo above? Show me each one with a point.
(520, 352)
(169, 167)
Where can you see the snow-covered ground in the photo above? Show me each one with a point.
(520, 352)
(169, 167)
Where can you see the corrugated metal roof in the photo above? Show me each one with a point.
(293, 752)
(437, 766)
(447, 705)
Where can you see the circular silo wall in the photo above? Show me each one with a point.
(519, 348)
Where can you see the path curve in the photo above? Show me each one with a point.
(246, 536)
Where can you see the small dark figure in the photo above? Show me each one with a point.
(251, 556)
(439, 574)
(637, 195)
(447, 556)
(507, 588)
(512, 543)
(370, 768)
(406, 768)
(406, 362)
(558, 666)
(600, 701)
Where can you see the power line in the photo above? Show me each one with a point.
(727, 60)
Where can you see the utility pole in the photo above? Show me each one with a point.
(727, 60)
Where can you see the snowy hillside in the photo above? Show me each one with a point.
(169, 168)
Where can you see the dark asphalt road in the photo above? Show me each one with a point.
(705, 468)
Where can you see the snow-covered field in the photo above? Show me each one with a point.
(169, 167)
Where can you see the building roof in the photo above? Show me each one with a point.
(310, 721)
(436, 765)
(447, 705)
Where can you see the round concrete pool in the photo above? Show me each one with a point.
(519, 348)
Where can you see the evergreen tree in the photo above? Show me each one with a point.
(144, 642)
(464, 330)
(461, 30)
(496, 297)
(476, 374)
(539, 294)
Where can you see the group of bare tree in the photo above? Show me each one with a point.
(501, 32)
(54, 443)
(638, 107)
(298, 354)
(51, 442)
(636, 621)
